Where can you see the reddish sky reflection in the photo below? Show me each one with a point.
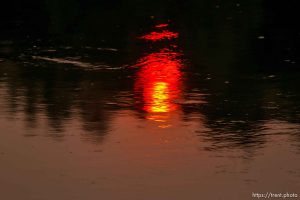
(162, 35)
(158, 82)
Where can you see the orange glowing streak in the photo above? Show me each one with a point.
(158, 81)
(157, 36)
(162, 25)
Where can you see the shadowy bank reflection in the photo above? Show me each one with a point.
(158, 84)
(52, 98)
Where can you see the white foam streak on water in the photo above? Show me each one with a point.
(107, 49)
(76, 63)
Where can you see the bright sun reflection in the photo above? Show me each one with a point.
(158, 80)
(160, 97)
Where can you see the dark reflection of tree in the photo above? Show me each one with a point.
(221, 45)
(98, 101)
(93, 111)
(59, 94)
(231, 115)
(31, 103)
(10, 73)
(236, 112)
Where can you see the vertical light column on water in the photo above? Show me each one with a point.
(158, 82)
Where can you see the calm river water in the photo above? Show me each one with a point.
(170, 114)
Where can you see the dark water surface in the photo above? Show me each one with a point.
(176, 100)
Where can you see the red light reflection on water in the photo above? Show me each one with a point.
(162, 25)
(156, 36)
(159, 81)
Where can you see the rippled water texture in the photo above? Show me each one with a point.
(176, 112)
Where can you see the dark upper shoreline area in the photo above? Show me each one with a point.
(264, 31)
